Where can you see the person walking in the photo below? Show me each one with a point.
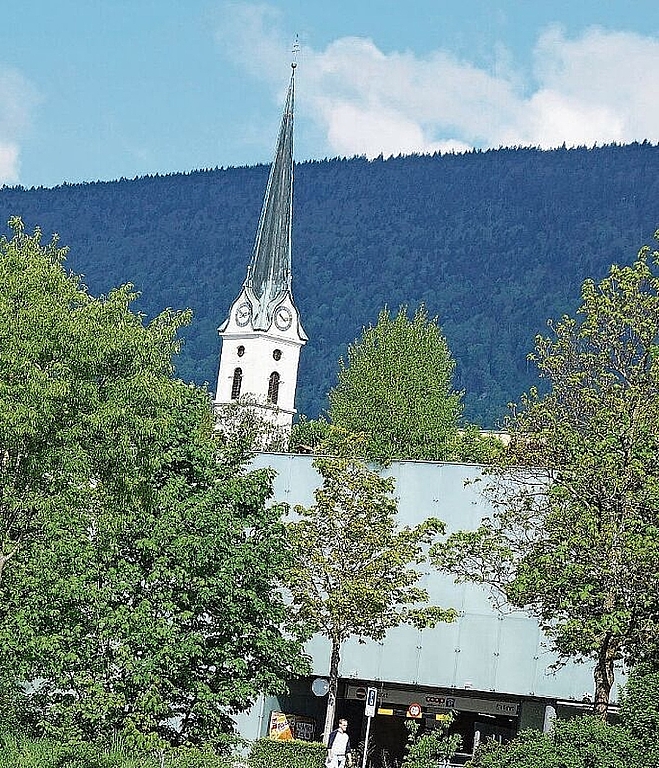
(338, 747)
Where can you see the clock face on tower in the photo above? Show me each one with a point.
(243, 314)
(283, 318)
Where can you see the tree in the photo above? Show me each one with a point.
(244, 427)
(573, 538)
(141, 558)
(396, 388)
(82, 384)
(308, 434)
(354, 571)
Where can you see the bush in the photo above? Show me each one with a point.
(429, 749)
(267, 753)
(47, 753)
(639, 710)
(191, 757)
(582, 742)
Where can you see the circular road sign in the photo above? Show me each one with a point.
(320, 686)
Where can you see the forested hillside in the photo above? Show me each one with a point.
(493, 242)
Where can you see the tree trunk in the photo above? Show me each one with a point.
(335, 658)
(4, 559)
(604, 675)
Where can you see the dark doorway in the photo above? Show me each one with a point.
(389, 735)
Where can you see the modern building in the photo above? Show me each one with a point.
(493, 670)
(262, 336)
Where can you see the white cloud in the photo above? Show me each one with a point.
(17, 98)
(8, 163)
(598, 87)
(249, 35)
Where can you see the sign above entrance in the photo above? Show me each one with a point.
(435, 701)
(414, 710)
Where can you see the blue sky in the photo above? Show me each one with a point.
(99, 90)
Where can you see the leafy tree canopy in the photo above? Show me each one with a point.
(574, 535)
(396, 387)
(139, 556)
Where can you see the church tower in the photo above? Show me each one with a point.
(263, 336)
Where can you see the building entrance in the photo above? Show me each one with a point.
(390, 736)
(474, 719)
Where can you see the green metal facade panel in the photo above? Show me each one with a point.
(484, 650)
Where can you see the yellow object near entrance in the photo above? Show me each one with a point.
(383, 711)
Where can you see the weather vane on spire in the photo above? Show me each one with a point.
(295, 51)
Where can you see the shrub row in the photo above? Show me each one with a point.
(266, 753)
(47, 753)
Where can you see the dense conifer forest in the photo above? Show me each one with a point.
(494, 242)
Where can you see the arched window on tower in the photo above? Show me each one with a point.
(237, 383)
(273, 388)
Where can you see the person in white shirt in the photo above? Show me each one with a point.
(338, 746)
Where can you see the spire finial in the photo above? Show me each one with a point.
(295, 51)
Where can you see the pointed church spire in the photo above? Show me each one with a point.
(269, 274)
(263, 335)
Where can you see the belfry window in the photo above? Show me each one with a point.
(237, 383)
(273, 388)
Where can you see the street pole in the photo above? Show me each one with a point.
(368, 730)
(369, 711)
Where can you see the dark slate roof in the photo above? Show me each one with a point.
(269, 273)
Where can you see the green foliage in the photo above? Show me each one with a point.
(48, 753)
(472, 445)
(639, 711)
(269, 753)
(197, 757)
(139, 558)
(574, 539)
(308, 434)
(396, 388)
(582, 742)
(354, 572)
(243, 429)
(432, 749)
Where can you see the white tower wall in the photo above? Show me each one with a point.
(254, 353)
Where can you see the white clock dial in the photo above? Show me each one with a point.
(283, 318)
(243, 314)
